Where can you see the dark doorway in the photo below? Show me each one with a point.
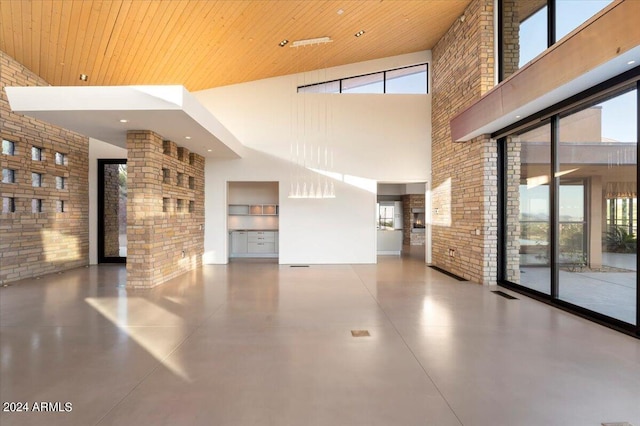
(112, 211)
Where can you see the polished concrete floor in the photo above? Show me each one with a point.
(264, 344)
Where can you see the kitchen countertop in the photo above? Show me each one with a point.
(258, 230)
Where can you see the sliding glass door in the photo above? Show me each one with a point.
(569, 208)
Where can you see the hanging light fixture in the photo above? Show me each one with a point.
(311, 153)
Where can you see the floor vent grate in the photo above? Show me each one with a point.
(298, 266)
(505, 295)
(360, 333)
(442, 271)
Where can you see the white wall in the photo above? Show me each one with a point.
(98, 150)
(373, 138)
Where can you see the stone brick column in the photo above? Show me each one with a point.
(144, 207)
(510, 37)
(464, 186)
(512, 213)
(165, 210)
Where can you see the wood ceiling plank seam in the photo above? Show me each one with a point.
(97, 68)
(140, 24)
(275, 52)
(45, 39)
(266, 35)
(206, 64)
(244, 30)
(162, 59)
(80, 40)
(384, 18)
(193, 52)
(158, 24)
(300, 25)
(37, 26)
(52, 46)
(127, 41)
(97, 24)
(202, 62)
(300, 10)
(182, 55)
(92, 36)
(326, 13)
(63, 47)
(7, 24)
(71, 71)
(18, 34)
(118, 41)
(235, 20)
(213, 47)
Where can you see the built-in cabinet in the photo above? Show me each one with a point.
(253, 244)
(253, 219)
(253, 209)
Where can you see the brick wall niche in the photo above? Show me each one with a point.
(165, 210)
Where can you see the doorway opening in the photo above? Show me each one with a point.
(402, 221)
(112, 211)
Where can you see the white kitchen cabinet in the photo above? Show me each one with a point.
(239, 241)
(254, 244)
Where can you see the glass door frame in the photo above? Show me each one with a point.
(554, 113)
(102, 258)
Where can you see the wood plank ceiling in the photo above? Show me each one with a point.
(208, 43)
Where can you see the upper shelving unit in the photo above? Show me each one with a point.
(253, 209)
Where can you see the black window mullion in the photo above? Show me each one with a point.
(554, 192)
(637, 179)
(551, 22)
(502, 200)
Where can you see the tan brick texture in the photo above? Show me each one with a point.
(33, 244)
(165, 210)
(464, 189)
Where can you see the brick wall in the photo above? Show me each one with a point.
(165, 210)
(409, 202)
(464, 189)
(33, 244)
(510, 37)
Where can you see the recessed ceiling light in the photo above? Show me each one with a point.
(84, 77)
(359, 33)
(209, 150)
(124, 121)
(631, 62)
(187, 137)
(283, 43)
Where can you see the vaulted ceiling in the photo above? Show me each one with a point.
(207, 43)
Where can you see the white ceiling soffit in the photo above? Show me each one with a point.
(97, 111)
